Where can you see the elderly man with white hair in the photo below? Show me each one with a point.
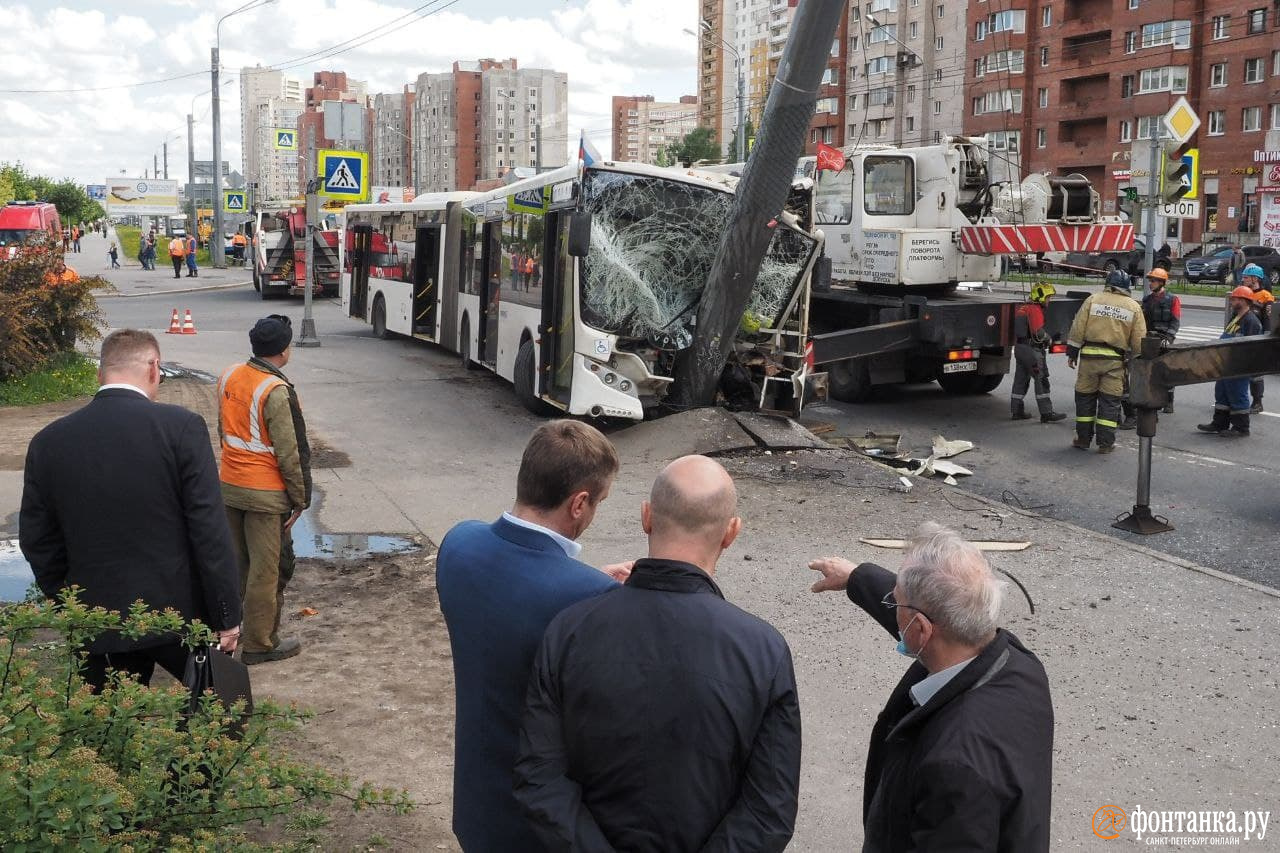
(961, 757)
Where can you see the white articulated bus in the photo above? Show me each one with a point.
(579, 286)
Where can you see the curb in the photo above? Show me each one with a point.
(1092, 534)
(231, 286)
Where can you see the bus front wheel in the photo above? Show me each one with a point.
(380, 318)
(525, 377)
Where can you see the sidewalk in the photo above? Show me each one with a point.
(132, 280)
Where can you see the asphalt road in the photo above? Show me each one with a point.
(1219, 493)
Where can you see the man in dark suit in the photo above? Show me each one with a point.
(499, 586)
(122, 499)
(961, 757)
(660, 717)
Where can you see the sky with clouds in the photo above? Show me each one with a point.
(71, 106)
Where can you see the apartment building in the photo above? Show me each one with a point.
(905, 71)
(1072, 84)
(390, 143)
(643, 128)
(269, 100)
(484, 118)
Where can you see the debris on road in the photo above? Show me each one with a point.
(945, 449)
(982, 545)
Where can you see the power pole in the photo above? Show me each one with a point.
(761, 194)
(215, 240)
(537, 148)
(191, 172)
(308, 338)
(166, 159)
(1153, 195)
(742, 108)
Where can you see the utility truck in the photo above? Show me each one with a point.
(903, 228)
(279, 242)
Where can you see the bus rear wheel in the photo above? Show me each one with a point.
(525, 377)
(380, 318)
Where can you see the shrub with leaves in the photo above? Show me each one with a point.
(131, 768)
(41, 314)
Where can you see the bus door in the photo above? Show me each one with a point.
(426, 280)
(556, 331)
(361, 249)
(490, 294)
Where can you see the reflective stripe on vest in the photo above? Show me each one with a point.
(248, 458)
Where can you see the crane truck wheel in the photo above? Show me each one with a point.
(970, 383)
(849, 381)
(257, 285)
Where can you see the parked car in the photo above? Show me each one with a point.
(1268, 258)
(1214, 268)
(1102, 263)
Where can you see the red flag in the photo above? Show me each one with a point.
(829, 157)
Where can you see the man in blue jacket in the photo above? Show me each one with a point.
(500, 584)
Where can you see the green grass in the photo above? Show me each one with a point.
(129, 236)
(63, 377)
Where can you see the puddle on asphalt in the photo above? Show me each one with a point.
(16, 578)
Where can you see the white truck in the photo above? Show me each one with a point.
(903, 228)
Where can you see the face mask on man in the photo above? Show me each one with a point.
(902, 642)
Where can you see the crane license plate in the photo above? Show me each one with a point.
(960, 367)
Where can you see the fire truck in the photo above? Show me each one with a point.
(904, 229)
(279, 243)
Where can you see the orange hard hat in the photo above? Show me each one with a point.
(1263, 296)
(1160, 273)
(1242, 292)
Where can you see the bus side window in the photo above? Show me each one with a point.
(468, 254)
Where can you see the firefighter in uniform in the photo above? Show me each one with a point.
(1030, 346)
(1163, 312)
(1231, 396)
(1107, 328)
(266, 481)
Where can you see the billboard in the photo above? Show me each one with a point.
(96, 192)
(383, 195)
(141, 197)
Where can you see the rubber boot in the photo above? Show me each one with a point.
(1239, 427)
(1168, 410)
(1255, 391)
(1018, 407)
(1221, 420)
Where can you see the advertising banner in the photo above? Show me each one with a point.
(391, 195)
(141, 197)
(1269, 219)
(96, 192)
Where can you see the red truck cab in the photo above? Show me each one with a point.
(27, 222)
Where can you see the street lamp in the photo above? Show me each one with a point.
(706, 28)
(215, 244)
(876, 25)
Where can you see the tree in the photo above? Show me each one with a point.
(697, 144)
(71, 199)
(662, 159)
(733, 144)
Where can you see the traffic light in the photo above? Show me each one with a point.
(1175, 176)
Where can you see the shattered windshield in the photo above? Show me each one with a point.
(653, 242)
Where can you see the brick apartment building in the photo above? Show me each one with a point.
(1069, 85)
(643, 127)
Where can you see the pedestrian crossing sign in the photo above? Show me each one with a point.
(345, 174)
(233, 201)
(286, 140)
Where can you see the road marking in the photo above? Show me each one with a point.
(1198, 334)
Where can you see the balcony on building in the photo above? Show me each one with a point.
(1086, 97)
(1086, 49)
(1083, 141)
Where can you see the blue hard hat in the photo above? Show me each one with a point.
(1119, 279)
(1253, 270)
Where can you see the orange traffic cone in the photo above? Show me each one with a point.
(188, 325)
(175, 325)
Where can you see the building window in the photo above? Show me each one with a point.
(937, 108)
(882, 6)
(979, 65)
(941, 11)
(937, 76)
(1044, 57)
(1148, 126)
(1046, 16)
(1001, 101)
(1220, 26)
(1126, 86)
(1251, 119)
(1164, 33)
(1042, 138)
(1043, 97)
(1217, 122)
(1253, 70)
(913, 30)
(1257, 21)
(853, 43)
(1130, 42)
(937, 137)
(1004, 140)
(880, 97)
(1011, 61)
(879, 65)
(1008, 21)
(980, 31)
(1133, 4)
(911, 94)
(1218, 75)
(911, 123)
(827, 105)
(853, 102)
(882, 33)
(1170, 78)
(1126, 130)
(1275, 116)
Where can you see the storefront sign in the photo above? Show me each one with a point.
(1266, 156)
